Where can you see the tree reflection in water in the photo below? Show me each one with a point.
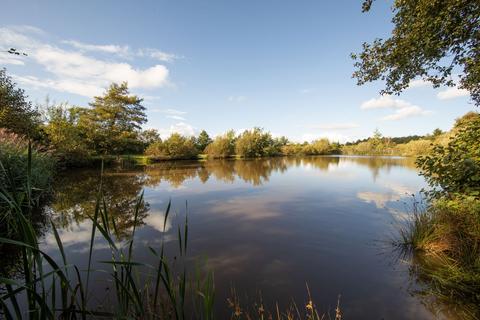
(76, 191)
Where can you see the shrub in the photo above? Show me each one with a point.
(455, 168)
(414, 148)
(222, 146)
(65, 136)
(16, 177)
(445, 240)
(318, 147)
(175, 147)
(292, 149)
(256, 143)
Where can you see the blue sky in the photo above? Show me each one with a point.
(218, 65)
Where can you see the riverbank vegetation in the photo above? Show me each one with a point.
(22, 166)
(110, 128)
(445, 236)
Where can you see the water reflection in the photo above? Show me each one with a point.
(269, 224)
(258, 171)
(76, 196)
(76, 191)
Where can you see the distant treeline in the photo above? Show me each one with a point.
(252, 143)
(399, 146)
(112, 126)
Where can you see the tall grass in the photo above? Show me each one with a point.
(26, 173)
(54, 288)
(443, 240)
(57, 289)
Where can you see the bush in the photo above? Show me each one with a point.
(318, 147)
(175, 147)
(66, 137)
(15, 176)
(292, 149)
(256, 143)
(455, 168)
(222, 146)
(445, 240)
(414, 148)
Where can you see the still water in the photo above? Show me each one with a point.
(269, 226)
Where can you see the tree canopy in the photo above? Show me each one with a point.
(114, 121)
(203, 140)
(16, 113)
(431, 39)
(455, 168)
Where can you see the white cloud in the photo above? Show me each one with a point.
(7, 58)
(403, 109)
(182, 128)
(407, 112)
(77, 87)
(157, 54)
(306, 91)
(75, 72)
(176, 117)
(237, 98)
(384, 102)
(108, 48)
(418, 83)
(451, 93)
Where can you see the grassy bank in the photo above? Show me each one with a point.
(23, 167)
(444, 240)
(445, 237)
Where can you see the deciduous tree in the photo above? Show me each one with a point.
(431, 39)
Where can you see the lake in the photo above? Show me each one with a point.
(267, 226)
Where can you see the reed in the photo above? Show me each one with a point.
(57, 289)
(443, 242)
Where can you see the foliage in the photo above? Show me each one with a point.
(375, 145)
(112, 125)
(175, 147)
(65, 136)
(16, 113)
(203, 140)
(22, 166)
(445, 242)
(455, 168)
(431, 40)
(319, 147)
(291, 149)
(148, 137)
(222, 146)
(54, 289)
(256, 143)
(414, 148)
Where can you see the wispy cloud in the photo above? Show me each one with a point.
(306, 91)
(108, 48)
(72, 70)
(451, 93)
(237, 98)
(176, 117)
(403, 109)
(407, 112)
(157, 54)
(418, 83)
(182, 128)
